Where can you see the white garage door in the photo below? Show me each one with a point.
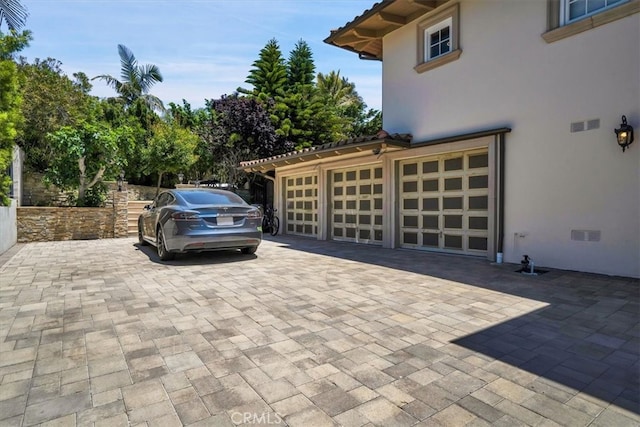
(356, 204)
(444, 203)
(301, 216)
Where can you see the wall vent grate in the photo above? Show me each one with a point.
(585, 235)
(577, 127)
(593, 124)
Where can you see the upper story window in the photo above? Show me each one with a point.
(438, 39)
(573, 10)
(566, 18)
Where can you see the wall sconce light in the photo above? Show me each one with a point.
(624, 134)
(120, 180)
(180, 177)
(376, 151)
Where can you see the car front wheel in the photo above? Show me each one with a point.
(141, 235)
(163, 253)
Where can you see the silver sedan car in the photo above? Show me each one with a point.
(198, 219)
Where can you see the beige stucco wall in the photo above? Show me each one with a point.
(556, 181)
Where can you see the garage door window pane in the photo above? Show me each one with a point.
(377, 235)
(410, 221)
(308, 206)
(478, 203)
(453, 242)
(377, 203)
(410, 204)
(377, 188)
(481, 181)
(290, 227)
(410, 169)
(308, 217)
(364, 219)
(298, 193)
(298, 216)
(478, 243)
(298, 181)
(452, 202)
(351, 176)
(430, 221)
(290, 216)
(430, 167)
(478, 223)
(337, 204)
(337, 232)
(308, 192)
(308, 180)
(453, 164)
(289, 194)
(337, 177)
(377, 220)
(365, 174)
(351, 205)
(430, 239)
(431, 204)
(430, 185)
(350, 219)
(453, 221)
(410, 187)
(453, 184)
(351, 190)
(351, 233)
(337, 218)
(308, 229)
(290, 182)
(299, 228)
(479, 161)
(299, 204)
(410, 238)
(337, 191)
(365, 189)
(377, 173)
(365, 205)
(365, 234)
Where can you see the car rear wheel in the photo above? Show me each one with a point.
(250, 250)
(163, 253)
(141, 235)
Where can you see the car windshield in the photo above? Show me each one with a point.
(211, 198)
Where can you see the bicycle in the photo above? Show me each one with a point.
(270, 222)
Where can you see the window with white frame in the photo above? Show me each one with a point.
(438, 39)
(566, 18)
(573, 10)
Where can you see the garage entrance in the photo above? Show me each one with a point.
(301, 204)
(444, 203)
(356, 204)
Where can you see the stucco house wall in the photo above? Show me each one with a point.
(556, 181)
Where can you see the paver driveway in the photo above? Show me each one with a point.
(309, 333)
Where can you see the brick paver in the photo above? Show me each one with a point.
(308, 333)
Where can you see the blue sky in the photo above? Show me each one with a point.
(204, 48)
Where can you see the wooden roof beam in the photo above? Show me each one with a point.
(426, 4)
(392, 19)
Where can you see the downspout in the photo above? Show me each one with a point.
(501, 161)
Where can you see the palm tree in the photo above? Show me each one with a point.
(339, 89)
(136, 80)
(14, 13)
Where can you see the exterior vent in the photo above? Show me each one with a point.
(585, 235)
(577, 127)
(593, 124)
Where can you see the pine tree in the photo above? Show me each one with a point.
(269, 73)
(300, 68)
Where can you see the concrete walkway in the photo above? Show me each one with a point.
(309, 333)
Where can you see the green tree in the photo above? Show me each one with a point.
(14, 13)
(351, 111)
(86, 154)
(135, 81)
(300, 67)
(10, 101)
(51, 100)
(171, 149)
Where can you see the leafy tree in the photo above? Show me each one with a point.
(239, 129)
(10, 101)
(14, 13)
(135, 82)
(269, 73)
(171, 149)
(341, 96)
(85, 154)
(197, 121)
(51, 100)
